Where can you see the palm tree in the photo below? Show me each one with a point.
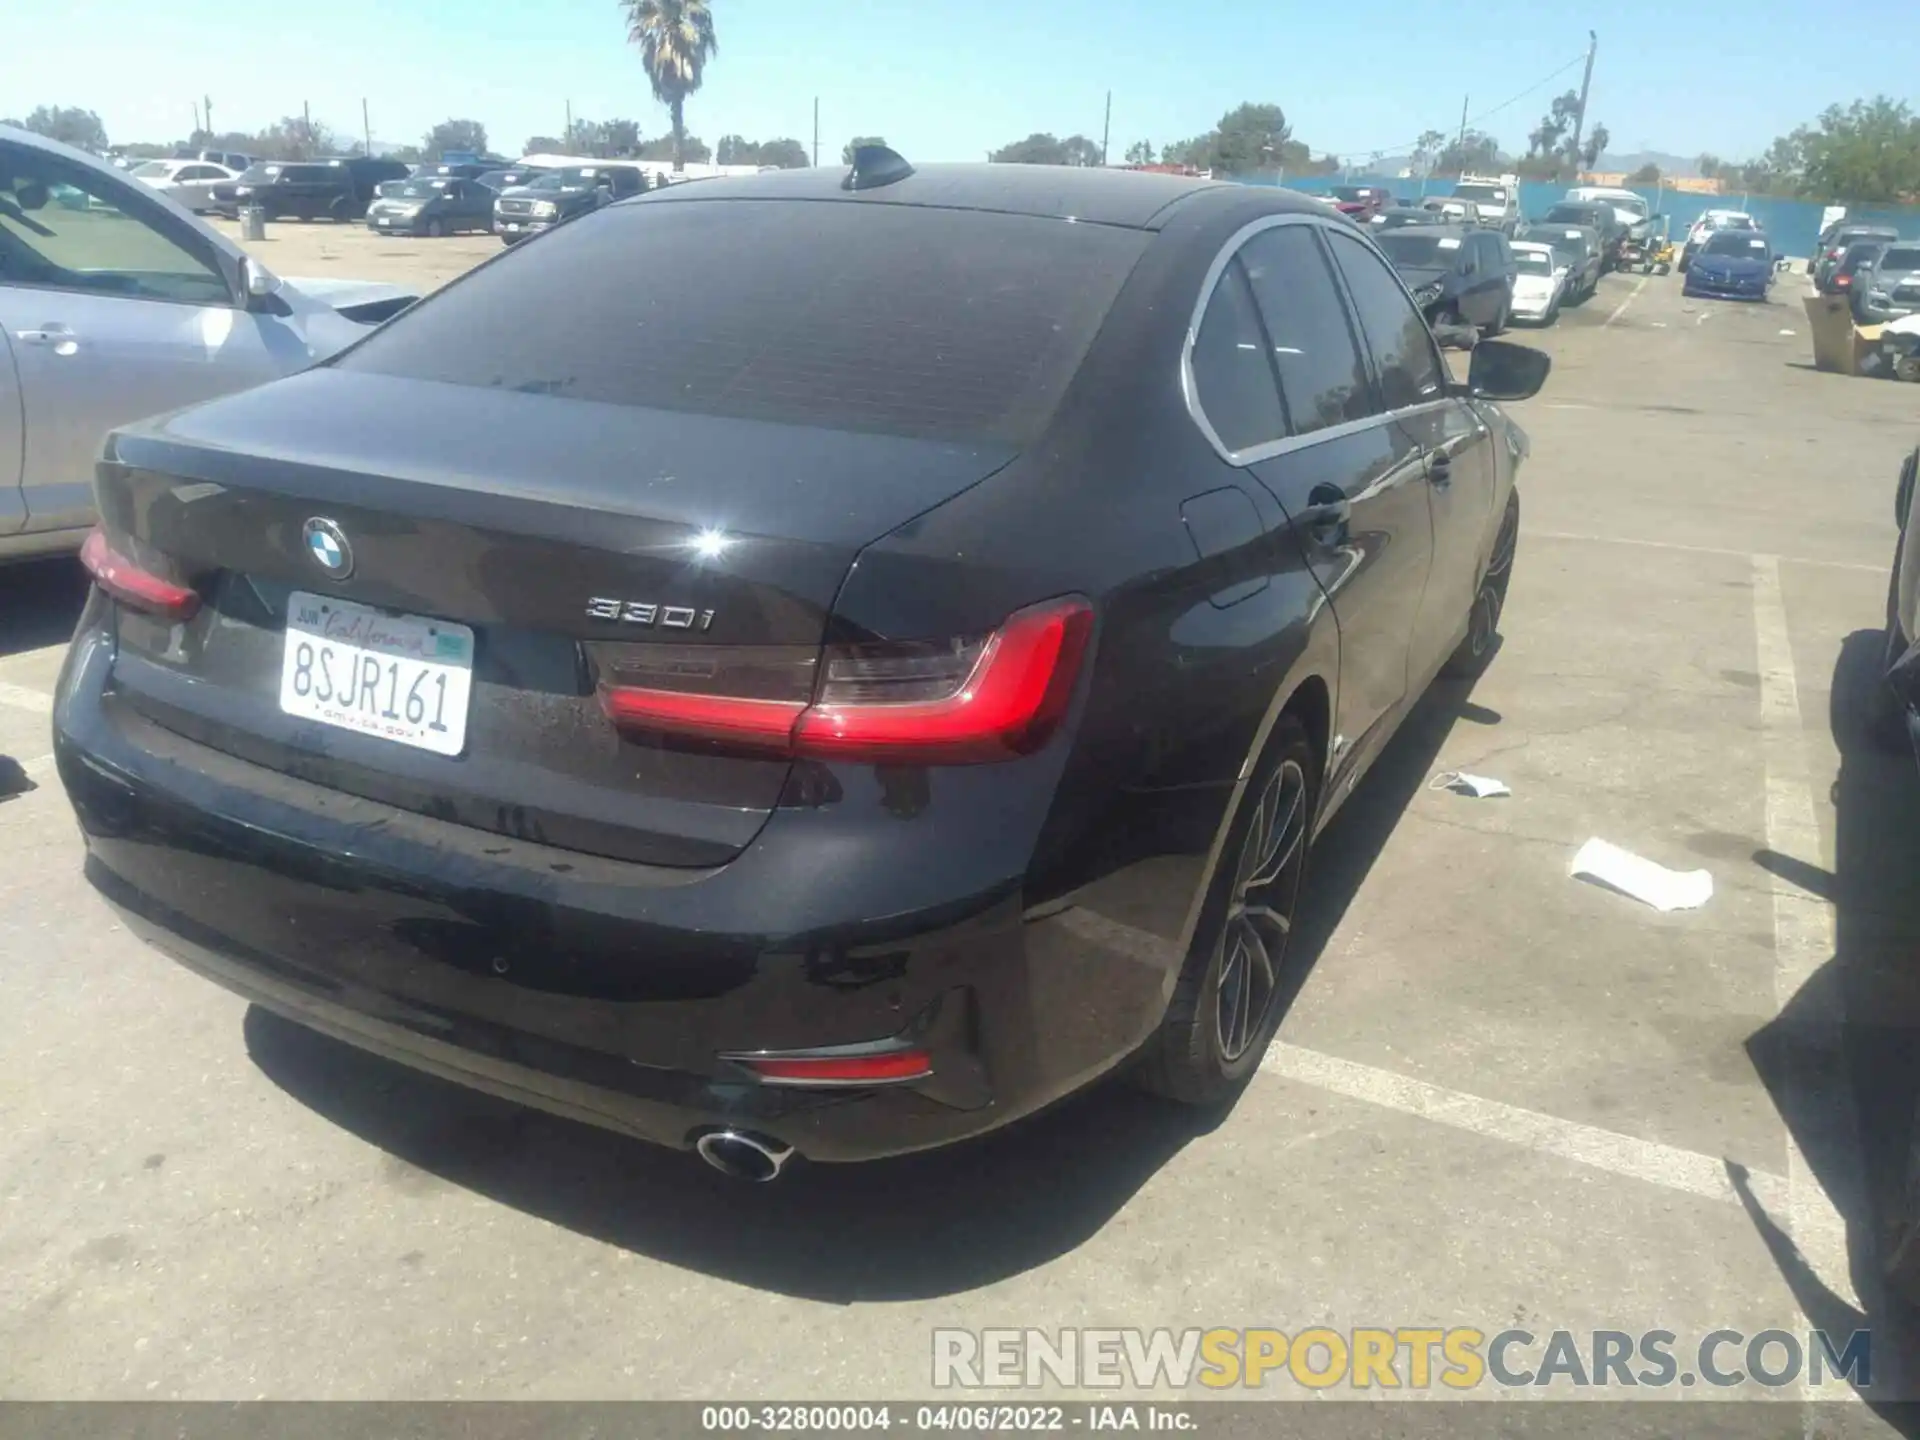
(676, 41)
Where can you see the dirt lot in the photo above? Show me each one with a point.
(293, 248)
(1503, 1097)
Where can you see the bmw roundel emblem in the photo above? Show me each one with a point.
(329, 548)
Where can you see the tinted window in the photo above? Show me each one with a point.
(1232, 378)
(897, 319)
(1398, 338)
(1901, 257)
(1533, 262)
(1322, 379)
(1733, 242)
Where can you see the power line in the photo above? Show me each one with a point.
(1407, 145)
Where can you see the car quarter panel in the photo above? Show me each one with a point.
(1197, 648)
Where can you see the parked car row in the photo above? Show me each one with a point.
(1877, 270)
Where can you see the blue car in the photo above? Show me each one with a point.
(1734, 265)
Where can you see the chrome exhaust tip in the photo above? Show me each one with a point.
(743, 1156)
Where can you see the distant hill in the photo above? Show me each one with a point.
(1680, 166)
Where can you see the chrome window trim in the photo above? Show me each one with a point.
(1267, 450)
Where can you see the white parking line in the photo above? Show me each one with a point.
(19, 697)
(1696, 549)
(1648, 1160)
(1813, 1099)
(1621, 308)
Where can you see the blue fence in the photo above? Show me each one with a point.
(1793, 225)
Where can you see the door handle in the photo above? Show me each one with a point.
(1328, 514)
(54, 334)
(1440, 468)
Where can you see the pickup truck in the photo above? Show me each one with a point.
(561, 196)
(1495, 200)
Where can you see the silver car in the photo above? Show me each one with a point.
(115, 304)
(1890, 288)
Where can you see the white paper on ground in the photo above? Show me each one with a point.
(1641, 878)
(1479, 786)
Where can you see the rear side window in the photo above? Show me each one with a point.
(1398, 338)
(1903, 257)
(894, 319)
(1322, 378)
(1232, 379)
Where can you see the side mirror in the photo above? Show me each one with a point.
(262, 287)
(1501, 370)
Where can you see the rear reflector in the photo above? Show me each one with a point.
(961, 701)
(130, 585)
(840, 1069)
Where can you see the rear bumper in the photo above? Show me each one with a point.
(600, 990)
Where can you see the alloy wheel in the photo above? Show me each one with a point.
(1259, 922)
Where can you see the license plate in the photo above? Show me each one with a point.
(404, 678)
(384, 220)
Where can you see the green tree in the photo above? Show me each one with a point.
(457, 135)
(786, 153)
(1254, 137)
(846, 152)
(1868, 152)
(1140, 153)
(1595, 147)
(584, 137)
(1426, 150)
(1648, 174)
(676, 40)
(544, 145)
(1709, 166)
(620, 137)
(68, 124)
(295, 137)
(1044, 149)
(690, 147)
(1473, 152)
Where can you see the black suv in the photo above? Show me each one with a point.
(561, 196)
(1603, 218)
(313, 189)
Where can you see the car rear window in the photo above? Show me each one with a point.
(895, 319)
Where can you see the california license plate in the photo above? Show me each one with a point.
(403, 678)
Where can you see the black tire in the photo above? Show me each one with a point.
(1884, 718)
(1470, 658)
(1224, 1010)
(435, 229)
(1499, 320)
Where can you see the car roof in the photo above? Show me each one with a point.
(1086, 193)
(1532, 245)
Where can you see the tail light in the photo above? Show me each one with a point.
(960, 701)
(131, 585)
(828, 1068)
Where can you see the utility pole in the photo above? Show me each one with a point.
(566, 136)
(198, 129)
(306, 132)
(816, 132)
(1580, 115)
(1462, 140)
(1106, 130)
(366, 128)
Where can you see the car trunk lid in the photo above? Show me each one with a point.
(562, 536)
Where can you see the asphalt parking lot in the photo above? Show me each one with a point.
(1502, 1096)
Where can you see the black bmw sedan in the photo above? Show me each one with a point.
(800, 664)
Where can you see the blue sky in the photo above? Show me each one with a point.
(947, 81)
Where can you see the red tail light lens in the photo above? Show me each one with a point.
(973, 700)
(886, 1068)
(131, 585)
(963, 701)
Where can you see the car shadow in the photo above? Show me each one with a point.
(40, 603)
(1841, 1061)
(914, 1227)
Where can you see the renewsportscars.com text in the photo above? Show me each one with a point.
(1393, 1358)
